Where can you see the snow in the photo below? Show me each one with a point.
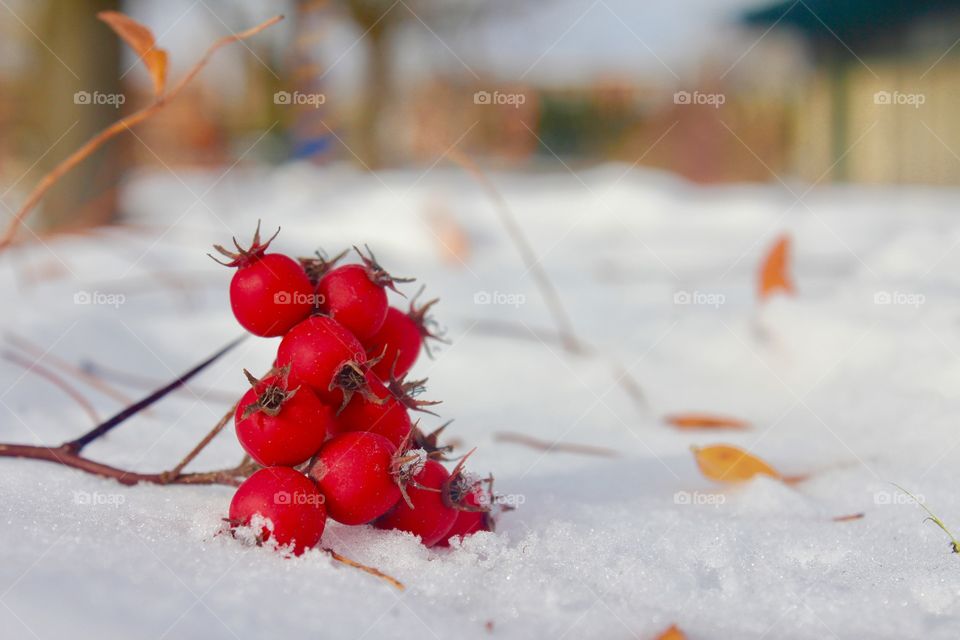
(856, 393)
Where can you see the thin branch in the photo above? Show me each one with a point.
(543, 445)
(35, 367)
(66, 456)
(110, 424)
(525, 249)
(177, 471)
(371, 570)
(569, 340)
(101, 372)
(116, 128)
(95, 382)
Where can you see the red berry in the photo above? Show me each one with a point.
(473, 516)
(355, 295)
(397, 344)
(355, 471)
(323, 355)
(386, 416)
(354, 300)
(429, 513)
(277, 426)
(287, 500)
(269, 293)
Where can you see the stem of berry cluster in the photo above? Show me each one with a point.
(69, 453)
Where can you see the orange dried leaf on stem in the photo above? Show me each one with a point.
(727, 463)
(704, 421)
(673, 633)
(141, 40)
(775, 270)
(120, 126)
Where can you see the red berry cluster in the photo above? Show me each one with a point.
(330, 423)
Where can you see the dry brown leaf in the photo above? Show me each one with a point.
(141, 40)
(673, 633)
(704, 421)
(726, 463)
(775, 270)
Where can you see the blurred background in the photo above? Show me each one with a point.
(715, 91)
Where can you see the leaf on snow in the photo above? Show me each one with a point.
(141, 40)
(673, 633)
(704, 421)
(726, 463)
(775, 270)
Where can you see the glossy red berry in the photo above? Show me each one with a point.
(429, 513)
(473, 514)
(278, 425)
(326, 357)
(354, 300)
(394, 349)
(355, 296)
(289, 504)
(269, 292)
(396, 344)
(356, 473)
(376, 412)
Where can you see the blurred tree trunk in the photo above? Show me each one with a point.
(373, 18)
(89, 60)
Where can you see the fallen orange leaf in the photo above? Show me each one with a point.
(704, 421)
(726, 463)
(141, 40)
(775, 270)
(673, 633)
(453, 240)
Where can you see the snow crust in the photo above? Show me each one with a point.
(856, 392)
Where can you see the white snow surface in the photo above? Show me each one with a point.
(856, 393)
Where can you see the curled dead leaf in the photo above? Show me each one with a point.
(775, 270)
(673, 633)
(727, 463)
(141, 40)
(704, 421)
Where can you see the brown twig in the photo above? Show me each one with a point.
(371, 570)
(66, 456)
(543, 445)
(68, 453)
(33, 366)
(118, 127)
(177, 471)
